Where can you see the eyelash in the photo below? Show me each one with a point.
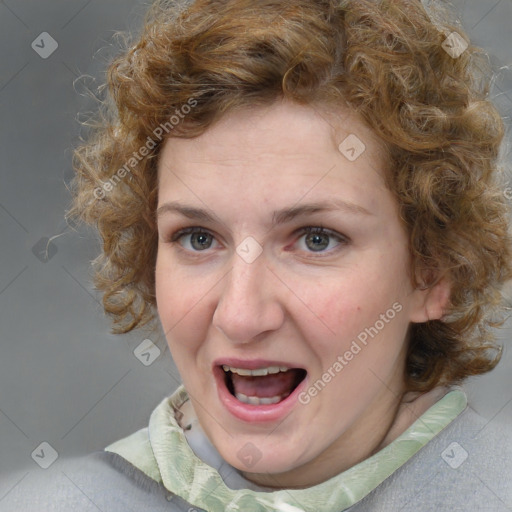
(307, 230)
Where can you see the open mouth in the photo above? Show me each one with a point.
(262, 386)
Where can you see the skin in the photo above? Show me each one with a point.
(293, 303)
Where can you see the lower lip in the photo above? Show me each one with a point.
(256, 413)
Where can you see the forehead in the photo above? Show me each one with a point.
(285, 150)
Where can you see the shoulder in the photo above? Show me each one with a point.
(98, 481)
(467, 466)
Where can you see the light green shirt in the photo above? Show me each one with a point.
(162, 452)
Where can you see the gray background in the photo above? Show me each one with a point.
(63, 378)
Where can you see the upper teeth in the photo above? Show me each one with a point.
(256, 373)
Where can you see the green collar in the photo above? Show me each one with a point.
(162, 452)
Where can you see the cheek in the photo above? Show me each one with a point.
(328, 315)
(368, 333)
(181, 307)
(339, 310)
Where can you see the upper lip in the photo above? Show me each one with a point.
(253, 364)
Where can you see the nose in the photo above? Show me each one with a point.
(248, 305)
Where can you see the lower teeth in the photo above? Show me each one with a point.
(255, 400)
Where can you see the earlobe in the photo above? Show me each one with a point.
(432, 301)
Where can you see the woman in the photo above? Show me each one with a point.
(306, 194)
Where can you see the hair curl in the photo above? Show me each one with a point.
(386, 60)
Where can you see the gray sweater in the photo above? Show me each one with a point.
(467, 467)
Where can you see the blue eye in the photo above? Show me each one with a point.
(316, 239)
(199, 240)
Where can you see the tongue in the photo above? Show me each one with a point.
(265, 386)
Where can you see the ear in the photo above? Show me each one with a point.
(431, 302)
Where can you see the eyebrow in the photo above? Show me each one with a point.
(278, 217)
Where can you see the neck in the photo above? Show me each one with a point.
(388, 417)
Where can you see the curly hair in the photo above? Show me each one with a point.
(194, 61)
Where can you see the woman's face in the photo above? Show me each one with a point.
(297, 261)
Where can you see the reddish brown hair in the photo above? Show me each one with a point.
(386, 60)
